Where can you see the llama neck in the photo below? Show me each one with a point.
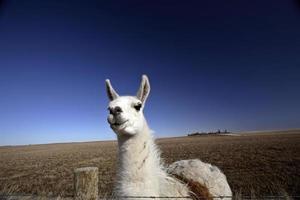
(139, 162)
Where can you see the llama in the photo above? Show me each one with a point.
(140, 172)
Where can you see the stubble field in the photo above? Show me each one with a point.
(255, 164)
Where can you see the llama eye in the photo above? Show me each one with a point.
(138, 106)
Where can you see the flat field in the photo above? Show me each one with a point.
(255, 164)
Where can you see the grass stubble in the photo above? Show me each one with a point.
(256, 165)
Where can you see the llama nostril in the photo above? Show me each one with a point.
(110, 111)
(117, 110)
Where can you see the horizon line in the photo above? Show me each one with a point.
(162, 137)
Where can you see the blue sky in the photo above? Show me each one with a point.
(212, 65)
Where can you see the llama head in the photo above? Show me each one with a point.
(126, 112)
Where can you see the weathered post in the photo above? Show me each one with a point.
(86, 183)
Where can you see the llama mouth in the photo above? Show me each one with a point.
(116, 124)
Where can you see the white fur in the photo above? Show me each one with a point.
(203, 173)
(140, 172)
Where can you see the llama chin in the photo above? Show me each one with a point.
(140, 172)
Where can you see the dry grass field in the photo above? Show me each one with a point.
(255, 164)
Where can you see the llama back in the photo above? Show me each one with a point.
(204, 174)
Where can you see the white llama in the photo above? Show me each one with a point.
(140, 172)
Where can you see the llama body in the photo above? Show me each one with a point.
(140, 172)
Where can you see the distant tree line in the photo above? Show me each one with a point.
(209, 133)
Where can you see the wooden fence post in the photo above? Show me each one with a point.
(86, 183)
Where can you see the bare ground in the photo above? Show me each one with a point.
(255, 164)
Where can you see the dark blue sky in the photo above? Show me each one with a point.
(212, 65)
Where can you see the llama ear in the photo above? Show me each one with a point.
(144, 89)
(111, 93)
